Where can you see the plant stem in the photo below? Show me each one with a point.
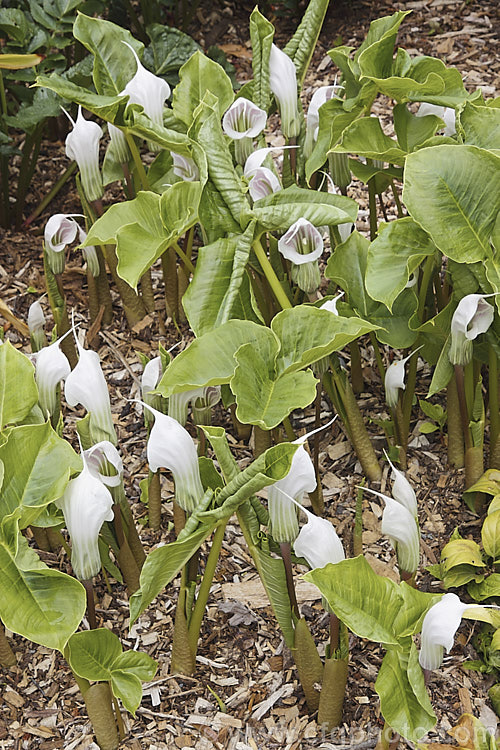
(462, 404)
(493, 399)
(378, 356)
(422, 293)
(455, 430)
(372, 205)
(182, 255)
(137, 160)
(396, 200)
(334, 633)
(89, 590)
(205, 586)
(270, 275)
(357, 537)
(7, 656)
(286, 554)
(316, 495)
(52, 193)
(119, 720)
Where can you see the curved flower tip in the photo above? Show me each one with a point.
(104, 463)
(318, 542)
(86, 385)
(447, 114)
(36, 324)
(402, 529)
(170, 446)
(257, 158)
(472, 316)
(438, 630)
(283, 84)
(263, 182)
(282, 514)
(185, 167)
(331, 304)
(148, 90)
(244, 119)
(320, 97)
(86, 504)
(82, 145)
(402, 490)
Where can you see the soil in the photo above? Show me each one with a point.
(245, 693)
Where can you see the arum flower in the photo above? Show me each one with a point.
(149, 91)
(86, 385)
(438, 629)
(60, 231)
(178, 404)
(51, 366)
(150, 378)
(402, 529)
(447, 114)
(185, 167)
(102, 459)
(395, 379)
(242, 122)
(320, 97)
(118, 144)
(473, 316)
(303, 245)
(203, 404)
(318, 542)
(257, 158)
(86, 504)
(282, 513)
(36, 323)
(170, 446)
(283, 83)
(263, 182)
(402, 490)
(82, 145)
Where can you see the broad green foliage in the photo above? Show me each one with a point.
(301, 46)
(376, 608)
(197, 76)
(17, 376)
(97, 655)
(452, 192)
(261, 35)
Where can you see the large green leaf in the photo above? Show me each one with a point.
(375, 55)
(393, 256)
(481, 125)
(37, 464)
(163, 564)
(114, 63)
(170, 48)
(220, 288)
(302, 44)
(333, 120)
(139, 124)
(307, 334)
(348, 267)
(367, 603)
(404, 702)
(261, 35)
(412, 131)
(109, 107)
(18, 392)
(40, 604)
(365, 137)
(452, 192)
(281, 209)
(197, 76)
(209, 360)
(423, 79)
(263, 397)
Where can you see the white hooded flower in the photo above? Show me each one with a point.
(320, 96)
(331, 304)
(149, 91)
(170, 446)
(51, 366)
(303, 245)
(82, 145)
(105, 463)
(282, 513)
(263, 182)
(395, 379)
(86, 385)
(89, 254)
(185, 167)
(438, 629)
(402, 490)
(318, 542)
(473, 316)
(445, 113)
(203, 404)
(60, 231)
(86, 504)
(36, 324)
(283, 83)
(244, 119)
(402, 529)
(257, 158)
